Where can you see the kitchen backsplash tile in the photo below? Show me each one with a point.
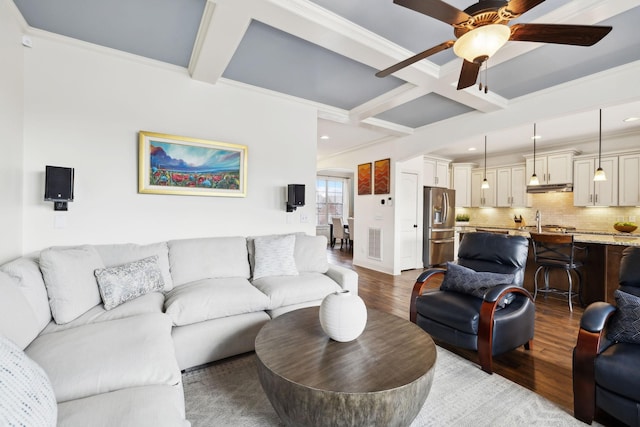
(556, 208)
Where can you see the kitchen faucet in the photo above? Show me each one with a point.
(538, 223)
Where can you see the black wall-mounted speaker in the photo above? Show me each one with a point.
(295, 194)
(58, 184)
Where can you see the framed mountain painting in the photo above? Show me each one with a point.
(171, 164)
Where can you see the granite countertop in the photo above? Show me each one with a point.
(581, 236)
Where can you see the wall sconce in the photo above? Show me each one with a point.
(58, 186)
(295, 196)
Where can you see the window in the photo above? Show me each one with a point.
(331, 200)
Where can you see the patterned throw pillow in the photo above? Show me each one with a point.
(477, 283)
(274, 256)
(26, 394)
(128, 281)
(625, 322)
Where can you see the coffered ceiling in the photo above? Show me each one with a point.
(326, 53)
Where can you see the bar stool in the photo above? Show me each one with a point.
(556, 251)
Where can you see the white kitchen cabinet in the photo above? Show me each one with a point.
(462, 183)
(511, 190)
(483, 197)
(629, 183)
(552, 168)
(436, 172)
(586, 191)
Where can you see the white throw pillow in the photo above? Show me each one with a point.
(311, 253)
(274, 256)
(71, 285)
(26, 394)
(129, 281)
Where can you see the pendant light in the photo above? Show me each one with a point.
(600, 175)
(485, 183)
(534, 178)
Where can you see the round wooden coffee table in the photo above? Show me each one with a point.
(382, 378)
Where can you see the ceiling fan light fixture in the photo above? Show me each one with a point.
(482, 42)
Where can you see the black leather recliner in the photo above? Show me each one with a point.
(606, 374)
(475, 323)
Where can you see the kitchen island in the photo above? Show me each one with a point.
(601, 259)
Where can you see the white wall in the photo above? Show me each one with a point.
(84, 106)
(11, 107)
(369, 212)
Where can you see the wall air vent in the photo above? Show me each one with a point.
(375, 243)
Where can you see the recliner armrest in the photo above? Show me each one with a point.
(428, 274)
(596, 315)
(418, 288)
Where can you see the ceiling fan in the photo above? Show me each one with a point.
(481, 30)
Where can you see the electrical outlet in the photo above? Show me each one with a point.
(304, 218)
(632, 218)
(619, 218)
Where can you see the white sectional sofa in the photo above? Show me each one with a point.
(113, 326)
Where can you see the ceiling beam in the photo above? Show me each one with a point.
(222, 27)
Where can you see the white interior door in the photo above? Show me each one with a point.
(408, 212)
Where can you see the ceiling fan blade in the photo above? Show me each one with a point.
(415, 58)
(469, 74)
(436, 9)
(518, 7)
(578, 35)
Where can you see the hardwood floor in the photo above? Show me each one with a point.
(546, 369)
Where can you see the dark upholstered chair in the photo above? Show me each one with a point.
(606, 374)
(479, 323)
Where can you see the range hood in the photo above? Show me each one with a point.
(550, 188)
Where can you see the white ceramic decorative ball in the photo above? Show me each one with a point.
(343, 316)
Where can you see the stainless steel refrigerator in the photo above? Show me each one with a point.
(439, 222)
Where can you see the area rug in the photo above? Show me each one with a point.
(228, 393)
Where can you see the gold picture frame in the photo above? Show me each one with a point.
(180, 165)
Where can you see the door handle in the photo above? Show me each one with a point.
(415, 225)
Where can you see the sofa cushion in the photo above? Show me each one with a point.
(114, 255)
(625, 322)
(17, 320)
(467, 281)
(310, 253)
(108, 356)
(206, 258)
(26, 395)
(213, 298)
(287, 290)
(26, 272)
(125, 282)
(146, 304)
(150, 406)
(274, 256)
(71, 284)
